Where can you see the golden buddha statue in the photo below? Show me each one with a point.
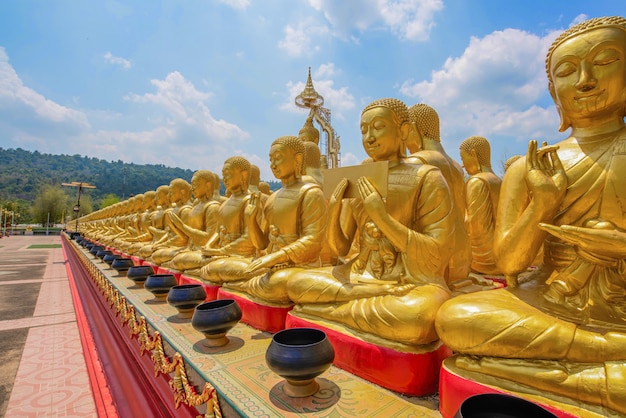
(142, 235)
(312, 164)
(160, 200)
(509, 161)
(198, 224)
(157, 227)
(181, 207)
(231, 238)
(390, 296)
(482, 191)
(424, 143)
(309, 133)
(290, 231)
(562, 332)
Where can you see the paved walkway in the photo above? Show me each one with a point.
(42, 367)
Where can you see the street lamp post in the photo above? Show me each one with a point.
(80, 186)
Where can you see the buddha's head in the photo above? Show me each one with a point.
(148, 199)
(385, 128)
(309, 133)
(162, 197)
(236, 174)
(138, 202)
(426, 120)
(264, 187)
(255, 176)
(202, 183)
(312, 156)
(475, 153)
(586, 67)
(287, 157)
(510, 161)
(180, 191)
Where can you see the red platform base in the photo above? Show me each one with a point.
(455, 387)
(263, 317)
(211, 290)
(163, 270)
(409, 373)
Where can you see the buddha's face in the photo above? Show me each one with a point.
(283, 161)
(470, 162)
(199, 186)
(589, 74)
(162, 197)
(380, 134)
(175, 193)
(232, 177)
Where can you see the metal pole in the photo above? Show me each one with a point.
(48, 223)
(12, 221)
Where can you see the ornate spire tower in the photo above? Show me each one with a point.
(311, 99)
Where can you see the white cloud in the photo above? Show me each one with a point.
(20, 103)
(298, 40)
(492, 88)
(111, 59)
(338, 99)
(407, 19)
(184, 106)
(237, 4)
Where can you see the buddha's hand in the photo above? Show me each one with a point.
(253, 206)
(211, 252)
(334, 203)
(545, 175)
(265, 262)
(372, 200)
(600, 238)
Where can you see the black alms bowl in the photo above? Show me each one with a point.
(160, 284)
(121, 265)
(214, 319)
(139, 274)
(299, 355)
(185, 298)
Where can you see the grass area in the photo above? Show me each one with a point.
(35, 246)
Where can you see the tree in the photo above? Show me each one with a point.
(49, 205)
(108, 200)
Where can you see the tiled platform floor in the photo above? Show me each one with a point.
(45, 375)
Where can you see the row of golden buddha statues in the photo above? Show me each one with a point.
(382, 265)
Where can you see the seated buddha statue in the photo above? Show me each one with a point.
(154, 203)
(199, 223)
(157, 222)
(562, 331)
(425, 144)
(390, 292)
(482, 191)
(231, 238)
(143, 221)
(289, 231)
(175, 239)
(131, 227)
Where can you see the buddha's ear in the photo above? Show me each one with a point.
(565, 122)
(405, 131)
(300, 163)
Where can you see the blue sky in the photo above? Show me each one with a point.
(191, 83)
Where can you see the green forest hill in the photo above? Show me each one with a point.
(23, 174)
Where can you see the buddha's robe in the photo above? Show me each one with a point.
(482, 192)
(418, 198)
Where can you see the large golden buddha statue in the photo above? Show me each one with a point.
(390, 292)
(562, 333)
(289, 231)
(425, 144)
(482, 192)
(157, 227)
